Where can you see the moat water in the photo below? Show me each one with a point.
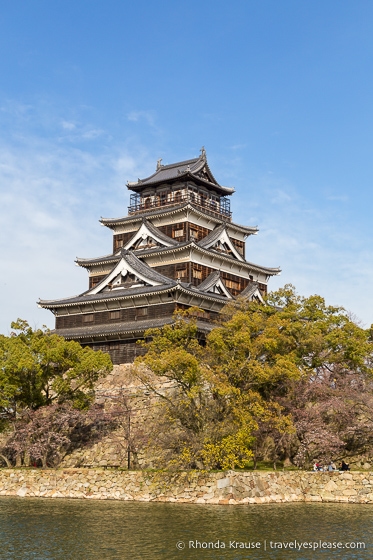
(59, 529)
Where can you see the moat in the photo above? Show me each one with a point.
(42, 529)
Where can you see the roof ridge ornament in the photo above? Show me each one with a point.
(159, 164)
(203, 152)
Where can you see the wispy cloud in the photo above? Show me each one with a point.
(315, 251)
(52, 194)
(68, 125)
(136, 116)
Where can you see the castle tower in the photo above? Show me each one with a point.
(176, 248)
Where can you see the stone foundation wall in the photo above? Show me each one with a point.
(193, 487)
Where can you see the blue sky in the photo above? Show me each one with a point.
(93, 92)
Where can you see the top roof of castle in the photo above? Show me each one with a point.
(197, 169)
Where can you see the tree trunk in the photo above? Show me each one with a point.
(6, 460)
(26, 459)
(18, 460)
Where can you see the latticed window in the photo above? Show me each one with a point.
(197, 232)
(231, 284)
(142, 311)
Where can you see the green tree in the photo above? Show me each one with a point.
(38, 368)
(230, 396)
(207, 419)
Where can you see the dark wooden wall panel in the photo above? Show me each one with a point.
(179, 271)
(94, 280)
(121, 239)
(121, 351)
(116, 316)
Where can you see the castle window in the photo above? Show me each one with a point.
(178, 232)
(114, 314)
(232, 285)
(88, 318)
(142, 311)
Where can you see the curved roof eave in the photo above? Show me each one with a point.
(106, 259)
(137, 187)
(108, 222)
(128, 294)
(252, 266)
(181, 169)
(97, 332)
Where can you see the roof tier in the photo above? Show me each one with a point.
(186, 245)
(131, 294)
(196, 169)
(184, 208)
(121, 331)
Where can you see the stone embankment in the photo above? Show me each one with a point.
(192, 487)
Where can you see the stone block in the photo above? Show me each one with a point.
(223, 482)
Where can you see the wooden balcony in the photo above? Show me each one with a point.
(219, 209)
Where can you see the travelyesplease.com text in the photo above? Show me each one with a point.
(272, 544)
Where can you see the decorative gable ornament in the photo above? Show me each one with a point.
(252, 293)
(219, 240)
(130, 272)
(149, 237)
(215, 285)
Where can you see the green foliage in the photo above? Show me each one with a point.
(38, 368)
(230, 398)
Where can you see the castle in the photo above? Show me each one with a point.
(176, 248)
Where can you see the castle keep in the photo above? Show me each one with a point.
(177, 248)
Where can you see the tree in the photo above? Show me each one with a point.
(44, 436)
(128, 424)
(38, 368)
(209, 417)
(239, 394)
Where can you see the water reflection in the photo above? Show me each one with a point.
(89, 530)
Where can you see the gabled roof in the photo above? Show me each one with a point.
(219, 237)
(215, 285)
(252, 292)
(146, 231)
(130, 265)
(196, 168)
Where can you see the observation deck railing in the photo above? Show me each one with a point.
(220, 209)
